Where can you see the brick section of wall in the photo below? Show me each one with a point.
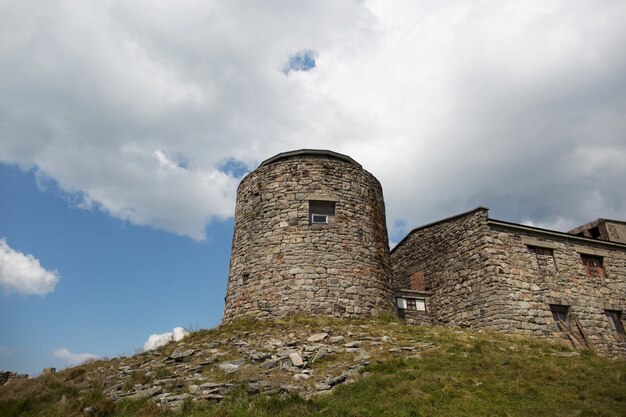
(281, 264)
(532, 288)
(453, 257)
(416, 281)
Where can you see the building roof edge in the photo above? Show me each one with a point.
(447, 219)
(566, 235)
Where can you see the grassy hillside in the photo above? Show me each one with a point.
(360, 368)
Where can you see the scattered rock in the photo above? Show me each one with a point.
(289, 356)
(258, 356)
(179, 356)
(337, 380)
(322, 386)
(318, 337)
(296, 359)
(270, 363)
(146, 393)
(230, 366)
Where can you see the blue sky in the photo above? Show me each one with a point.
(125, 128)
(118, 284)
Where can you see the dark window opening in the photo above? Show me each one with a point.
(593, 265)
(595, 232)
(559, 312)
(321, 212)
(615, 322)
(245, 276)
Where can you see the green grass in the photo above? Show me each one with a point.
(455, 374)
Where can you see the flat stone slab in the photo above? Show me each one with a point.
(296, 359)
(177, 355)
(146, 393)
(318, 337)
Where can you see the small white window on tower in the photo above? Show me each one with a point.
(401, 303)
(319, 218)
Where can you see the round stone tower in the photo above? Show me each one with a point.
(310, 238)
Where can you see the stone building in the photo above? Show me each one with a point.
(310, 238)
(470, 270)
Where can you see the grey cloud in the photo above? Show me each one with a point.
(515, 105)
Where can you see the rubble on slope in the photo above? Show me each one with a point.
(208, 365)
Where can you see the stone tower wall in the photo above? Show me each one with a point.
(281, 264)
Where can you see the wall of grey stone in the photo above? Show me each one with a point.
(453, 255)
(281, 264)
(531, 287)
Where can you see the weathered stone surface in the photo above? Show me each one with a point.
(177, 355)
(271, 363)
(230, 366)
(146, 393)
(296, 359)
(337, 380)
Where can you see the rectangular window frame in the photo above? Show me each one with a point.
(411, 303)
(593, 265)
(559, 312)
(319, 218)
(615, 323)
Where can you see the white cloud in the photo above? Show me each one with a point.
(158, 340)
(4, 350)
(73, 358)
(136, 106)
(23, 273)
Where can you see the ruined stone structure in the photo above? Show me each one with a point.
(310, 237)
(474, 271)
(603, 229)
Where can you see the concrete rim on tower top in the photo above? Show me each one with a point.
(308, 153)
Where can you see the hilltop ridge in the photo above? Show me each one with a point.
(325, 366)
